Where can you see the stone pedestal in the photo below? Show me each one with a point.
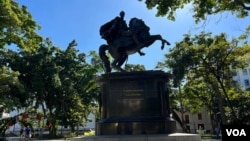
(134, 103)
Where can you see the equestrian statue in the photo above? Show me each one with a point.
(123, 40)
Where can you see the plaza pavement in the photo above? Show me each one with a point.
(18, 139)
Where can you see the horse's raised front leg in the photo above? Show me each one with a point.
(163, 42)
(167, 42)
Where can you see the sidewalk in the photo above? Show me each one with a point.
(210, 139)
(32, 139)
(18, 139)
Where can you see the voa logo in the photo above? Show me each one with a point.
(236, 132)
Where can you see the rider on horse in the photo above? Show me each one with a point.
(123, 41)
(117, 28)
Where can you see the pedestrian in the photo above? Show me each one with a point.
(21, 133)
(28, 132)
(217, 132)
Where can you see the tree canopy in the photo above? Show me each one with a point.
(201, 8)
(17, 29)
(38, 74)
(17, 26)
(61, 82)
(10, 88)
(207, 63)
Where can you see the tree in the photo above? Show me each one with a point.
(201, 8)
(132, 67)
(38, 72)
(17, 26)
(210, 60)
(62, 82)
(96, 61)
(11, 90)
(78, 85)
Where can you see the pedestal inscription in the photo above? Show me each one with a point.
(134, 103)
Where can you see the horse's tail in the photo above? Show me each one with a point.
(104, 57)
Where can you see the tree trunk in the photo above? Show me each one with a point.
(184, 127)
(220, 104)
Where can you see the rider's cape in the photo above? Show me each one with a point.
(104, 31)
(139, 28)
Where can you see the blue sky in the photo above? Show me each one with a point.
(65, 20)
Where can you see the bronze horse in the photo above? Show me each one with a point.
(121, 47)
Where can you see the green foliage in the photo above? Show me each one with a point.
(196, 95)
(11, 90)
(96, 61)
(90, 133)
(201, 8)
(17, 26)
(132, 67)
(60, 81)
(241, 101)
(206, 63)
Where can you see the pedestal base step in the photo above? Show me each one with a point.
(155, 137)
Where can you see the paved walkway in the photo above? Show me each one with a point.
(32, 139)
(18, 139)
(210, 139)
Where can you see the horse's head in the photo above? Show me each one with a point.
(135, 23)
(138, 27)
